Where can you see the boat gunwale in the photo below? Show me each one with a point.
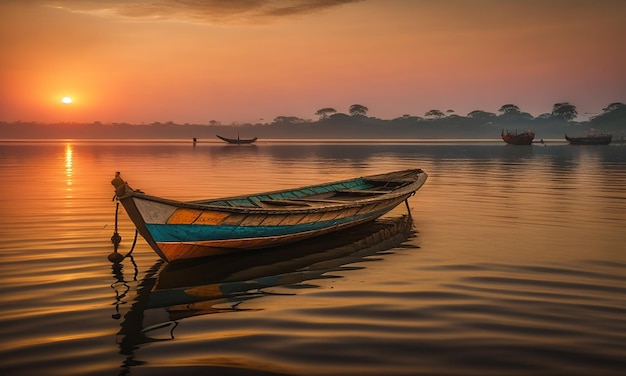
(406, 190)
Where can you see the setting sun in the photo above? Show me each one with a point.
(66, 100)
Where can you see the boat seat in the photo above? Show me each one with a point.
(283, 203)
(320, 200)
(362, 191)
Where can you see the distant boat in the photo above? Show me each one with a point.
(237, 140)
(181, 230)
(590, 139)
(525, 138)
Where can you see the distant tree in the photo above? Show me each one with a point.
(483, 115)
(357, 109)
(564, 111)
(288, 120)
(613, 106)
(526, 116)
(509, 109)
(449, 111)
(323, 113)
(434, 114)
(407, 118)
(512, 112)
(214, 123)
(340, 118)
(613, 117)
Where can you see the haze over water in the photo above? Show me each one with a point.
(513, 264)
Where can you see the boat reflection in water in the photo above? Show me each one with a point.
(217, 284)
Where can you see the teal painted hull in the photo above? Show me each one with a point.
(194, 233)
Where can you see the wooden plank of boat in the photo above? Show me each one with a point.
(179, 230)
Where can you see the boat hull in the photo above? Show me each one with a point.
(525, 138)
(237, 141)
(181, 230)
(590, 140)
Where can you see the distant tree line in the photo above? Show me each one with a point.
(564, 111)
(355, 124)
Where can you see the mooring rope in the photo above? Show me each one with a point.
(116, 239)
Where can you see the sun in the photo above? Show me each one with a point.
(66, 100)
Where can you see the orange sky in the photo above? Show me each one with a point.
(140, 61)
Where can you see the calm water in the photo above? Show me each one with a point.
(515, 263)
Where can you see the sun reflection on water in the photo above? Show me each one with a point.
(69, 163)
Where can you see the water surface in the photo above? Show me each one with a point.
(513, 263)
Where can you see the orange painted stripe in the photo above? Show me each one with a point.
(292, 220)
(253, 220)
(210, 218)
(184, 216)
(273, 220)
(233, 219)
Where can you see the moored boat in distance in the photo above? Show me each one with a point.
(237, 140)
(590, 139)
(182, 230)
(524, 138)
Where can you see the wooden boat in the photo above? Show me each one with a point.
(525, 138)
(180, 230)
(590, 139)
(237, 141)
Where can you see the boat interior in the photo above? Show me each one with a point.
(339, 193)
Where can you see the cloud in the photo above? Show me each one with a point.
(202, 11)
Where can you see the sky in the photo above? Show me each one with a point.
(250, 61)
